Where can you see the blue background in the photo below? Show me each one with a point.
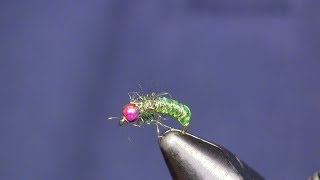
(249, 71)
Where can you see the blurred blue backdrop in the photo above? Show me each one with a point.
(249, 71)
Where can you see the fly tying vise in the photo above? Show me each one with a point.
(149, 108)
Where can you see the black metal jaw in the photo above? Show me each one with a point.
(190, 157)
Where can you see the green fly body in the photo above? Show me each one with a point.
(150, 108)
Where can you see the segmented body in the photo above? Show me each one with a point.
(150, 105)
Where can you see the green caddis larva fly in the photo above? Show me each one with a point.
(149, 108)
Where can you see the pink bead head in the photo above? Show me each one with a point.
(130, 113)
